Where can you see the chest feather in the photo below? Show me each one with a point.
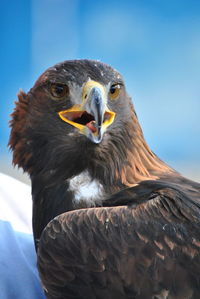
(86, 189)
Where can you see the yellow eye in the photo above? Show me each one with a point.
(59, 90)
(115, 90)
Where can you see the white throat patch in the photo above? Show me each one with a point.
(86, 189)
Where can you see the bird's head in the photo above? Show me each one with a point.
(82, 97)
(75, 108)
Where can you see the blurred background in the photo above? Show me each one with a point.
(155, 44)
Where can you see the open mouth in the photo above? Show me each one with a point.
(82, 119)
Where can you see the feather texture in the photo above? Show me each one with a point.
(148, 250)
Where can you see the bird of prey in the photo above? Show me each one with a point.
(110, 219)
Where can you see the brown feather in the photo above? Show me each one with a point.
(18, 139)
(144, 265)
(142, 163)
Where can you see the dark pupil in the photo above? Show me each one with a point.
(58, 89)
(112, 90)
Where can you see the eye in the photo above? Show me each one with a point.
(59, 90)
(115, 90)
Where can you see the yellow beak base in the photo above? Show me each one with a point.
(80, 118)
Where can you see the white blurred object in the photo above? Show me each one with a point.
(16, 203)
(18, 270)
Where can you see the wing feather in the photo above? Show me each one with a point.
(146, 251)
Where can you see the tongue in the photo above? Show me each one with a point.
(91, 126)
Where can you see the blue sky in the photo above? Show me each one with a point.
(155, 44)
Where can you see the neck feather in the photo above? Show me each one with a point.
(142, 164)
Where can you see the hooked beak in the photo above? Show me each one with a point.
(92, 117)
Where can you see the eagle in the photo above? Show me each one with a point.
(110, 219)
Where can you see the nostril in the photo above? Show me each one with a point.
(97, 100)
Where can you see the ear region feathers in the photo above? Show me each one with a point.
(18, 142)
